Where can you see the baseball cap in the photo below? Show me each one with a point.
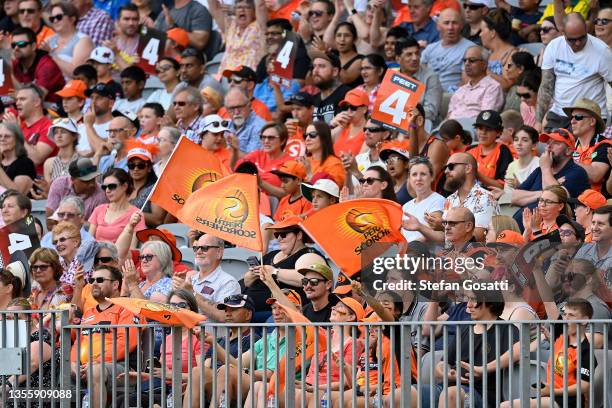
(63, 123)
(560, 135)
(74, 87)
(131, 116)
(488, 3)
(322, 269)
(326, 185)
(564, 219)
(215, 124)
(589, 198)
(489, 119)
(300, 98)
(293, 296)
(179, 36)
(140, 153)
(286, 223)
(354, 306)
(333, 58)
(355, 97)
(392, 147)
(510, 237)
(291, 168)
(83, 169)
(101, 89)
(103, 55)
(241, 71)
(237, 301)
(163, 234)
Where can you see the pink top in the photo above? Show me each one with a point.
(528, 114)
(265, 164)
(321, 367)
(470, 100)
(197, 350)
(110, 232)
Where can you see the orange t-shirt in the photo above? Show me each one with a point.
(44, 33)
(344, 144)
(87, 299)
(297, 207)
(260, 109)
(487, 163)
(332, 166)
(403, 14)
(265, 164)
(544, 230)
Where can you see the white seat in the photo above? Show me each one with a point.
(39, 212)
(180, 232)
(532, 48)
(234, 261)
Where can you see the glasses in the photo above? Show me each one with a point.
(163, 68)
(576, 40)
(266, 137)
(317, 13)
(369, 180)
(570, 276)
(282, 234)
(450, 223)
(311, 135)
(451, 166)
(27, 11)
(471, 60)
(566, 232)
(109, 186)
(20, 44)
(146, 258)
(61, 240)
(579, 117)
(235, 108)
(58, 17)
(67, 215)
(373, 129)
(546, 30)
(236, 80)
(98, 280)
(352, 108)
(311, 281)
(203, 248)
(103, 259)
(602, 21)
(180, 305)
(41, 267)
(524, 95)
(139, 166)
(545, 202)
(393, 159)
(472, 7)
(113, 131)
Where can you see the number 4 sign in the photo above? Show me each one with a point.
(397, 95)
(151, 47)
(285, 59)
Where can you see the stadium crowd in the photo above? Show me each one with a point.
(510, 143)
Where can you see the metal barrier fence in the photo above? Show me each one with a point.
(135, 365)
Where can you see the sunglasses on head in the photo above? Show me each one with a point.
(369, 180)
(109, 186)
(58, 17)
(98, 280)
(317, 13)
(312, 281)
(20, 44)
(546, 30)
(451, 166)
(204, 248)
(216, 123)
(139, 166)
(180, 305)
(374, 129)
(103, 259)
(472, 7)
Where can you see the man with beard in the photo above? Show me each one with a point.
(556, 167)
(98, 119)
(326, 74)
(106, 283)
(246, 125)
(124, 126)
(125, 43)
(374, 136)
(193, 71)
(318, 284)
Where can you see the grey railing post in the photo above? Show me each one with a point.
(290, 367)
(177, 365)
(65, 347)
(524, 364)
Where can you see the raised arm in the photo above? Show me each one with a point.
(545, 96)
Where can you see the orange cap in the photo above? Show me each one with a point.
(291, 168)
(561, 135)
(355, 306)
(292, 221)
(355, 97)
(510, 237)
(291, 294)
(592, 199)
(75, 87)
(343, 289)
(179, 36)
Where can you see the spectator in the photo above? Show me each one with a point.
(543, 220)
(108, 220)
(459, 228)
(10, 20)
(322, 193)
(192, 17)
(527, 86)
(301, 105)
(212, 101)
(456, 138)
(97, 121)
(325, 73)
(495, 36)
(157, 268)
(481, 92)
(320, 156)
(318, 283)
(373, 69)
(67, 240)
(150, 117)
(65, 135)
(71, 209)
(133, 80)
(10, 286)
(18, 171)
(520, 62)
(103, 58)
(167, 138)
(313, 23)
(46, 272)
(589, 71)
(126, 37)
(122, 128)
(210, 282)
(271, 156)
(30, 17)
(213, 139)
(140, 167)
(525, 19)
(570, 232)
(291, 174)
(584, 206)
(397, 160)
(244, 33)
(95, 23)
(503, 226)
(377, 183)
(244, 77)
(272, 93)
(347, 126)
(80, 182)
(167, 69)
(193, 71)
(374, 136)
(32, 65)
(73, 103)
(14, 206)
(422, 28)
(246, 125)
(187, 104)
(444, 57)
(525, 141)
(599, 252)
(409, 57)
(69, 48)
(548, 32)
(394, 34)
(342, 38)
(106, 283)
(492, 156)
(511, 121)
(603, 30)
(474, 14)
(176, 42)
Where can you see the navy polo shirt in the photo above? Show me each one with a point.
(428, 33)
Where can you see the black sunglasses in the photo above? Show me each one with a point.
(61, 240)
(180, 305)
(311, 281)
(20, 44)
(147, 258)
(451, 166)
(602, 21)
(524, 95)
(98, 280)
(27, 11)
(473, 7)
(109, 186)
(546, 30)
(139, 166)
(311, 135)
(204, 248)
(578, 117)
(58, 17)
(576, 40)
(471, 60)
(282, 234)
(103, 259)
(216, 123)
(374, 129)
(369, 181)
(179, 103)
(317, 13)
(352, 108)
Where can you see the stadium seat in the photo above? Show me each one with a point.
(511, 379)
(234, 261)
(38, 211)
(598, 384)
(428, 366)
(188, 256)
(180, 232)
(532, 48)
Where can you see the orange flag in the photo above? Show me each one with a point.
(189, 167)
(228, 209)
(308, 344)
(160, 312)
(365, 227)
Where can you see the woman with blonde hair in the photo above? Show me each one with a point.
(543, 219)
(46, 270)
(498, 224)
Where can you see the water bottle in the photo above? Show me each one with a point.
(222, 403)
(170, 401)
(324, 402)
(85, 402)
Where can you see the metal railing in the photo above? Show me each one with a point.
(369, 371)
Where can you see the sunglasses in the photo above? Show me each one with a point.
(449, 223)
(98, 280)
(282, 234)
(58, 17)
(180, 305)
(570, 276)
(163, 68)
(369, 181)
(203, 248)
(471, 60)
(109, 187)
(576, 40)
(146, 258)
(352, 108)
(546, 30)
(20, 44)
(236, 80)
(451, 166)
(66, 215)
(311, 281)
(61, 240)
(523, 95)
(42, 267)
(579, 117)
(602, 21)
(179, 103)
(139, 166)
(266, 137)
(566, 232)
(27, 11)
(311, 135)
(374, 129)
(473, 7)
(317, 13)
(103, 259)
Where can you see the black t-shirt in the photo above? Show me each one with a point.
(7, 25)
(259, 292)
(22, 166)
(320, 316)
(327, 108)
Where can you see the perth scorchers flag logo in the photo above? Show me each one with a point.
(360, 225)
(228, 209)
(190, 168)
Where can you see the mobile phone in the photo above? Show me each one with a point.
(156, 364)
(253, 261)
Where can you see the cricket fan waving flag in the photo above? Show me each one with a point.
(189, 167)
(228, 209)
(361, 225)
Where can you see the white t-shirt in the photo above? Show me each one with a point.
(83, 145)
(435, 202)
(161, 96)
(521, 175)
(123, 105)
(579, 75)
